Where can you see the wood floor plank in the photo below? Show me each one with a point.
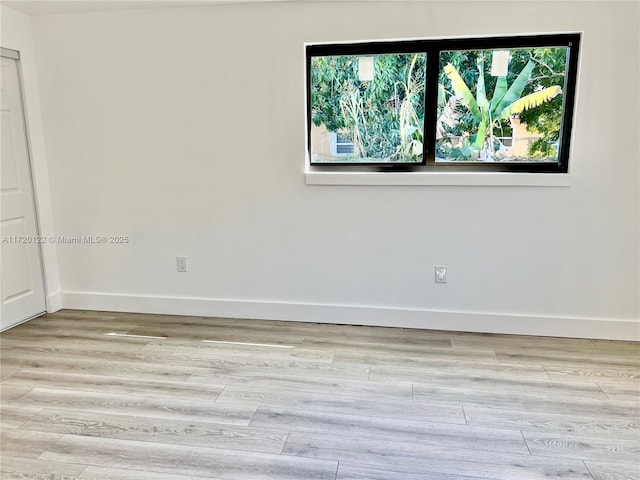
(389, 344)
(583, 447)
(564, 358)
(596, 374)
(618, 352)
(14, 416)
(535, 402)
(10, 392)
(217, 351)
(82, 321)
(349, 351)
(53, 337)
(503, 342)
(151, 406)
(193, 328)
(226, 333)
(188, 460)
(510, 384)
(333, 330)
(116, 384)
(609, 427)
(422, 333)
(98, 366)
(390, 406)
(350, 471)
(7, 370)
(106, 473)
(159, 430)
(629, 391)
(424, 371)
(286, 380)
(617, 345)
(240, 365)
(613, 471)
(81, 314)
(16, 354)
(410, 431)
(382, 357)
(24, 443)
(65, 328)
(12, 468)
(97, 342)
(153, 319)
(431, 458)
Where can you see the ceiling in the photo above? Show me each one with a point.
(52, 7)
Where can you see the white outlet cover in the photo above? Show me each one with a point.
(181, 264)
(441, 274)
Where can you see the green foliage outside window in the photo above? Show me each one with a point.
(493, 104)
(384, 116)
(469, 102)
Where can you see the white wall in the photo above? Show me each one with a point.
(184, 129)
(16, 34)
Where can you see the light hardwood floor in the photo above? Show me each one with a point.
(252, 400)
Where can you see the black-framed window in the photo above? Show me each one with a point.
(465, 104)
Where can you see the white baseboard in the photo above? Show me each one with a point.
(483, 322)
(54, 302)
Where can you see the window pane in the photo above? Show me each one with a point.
(500, 105)
(367, 109)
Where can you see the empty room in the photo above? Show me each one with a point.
(316, 239)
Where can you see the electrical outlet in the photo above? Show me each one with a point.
(441, 274)
(182, 264)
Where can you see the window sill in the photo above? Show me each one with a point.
(488, 179)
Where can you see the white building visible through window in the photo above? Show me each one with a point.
(342, 144)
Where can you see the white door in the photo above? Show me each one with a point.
(22, 286)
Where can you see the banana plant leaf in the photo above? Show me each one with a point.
(482, 133)
(462, 91)
(441, 96)
(515, 90)
(498, 92)
(481, 94)
(531, 101)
